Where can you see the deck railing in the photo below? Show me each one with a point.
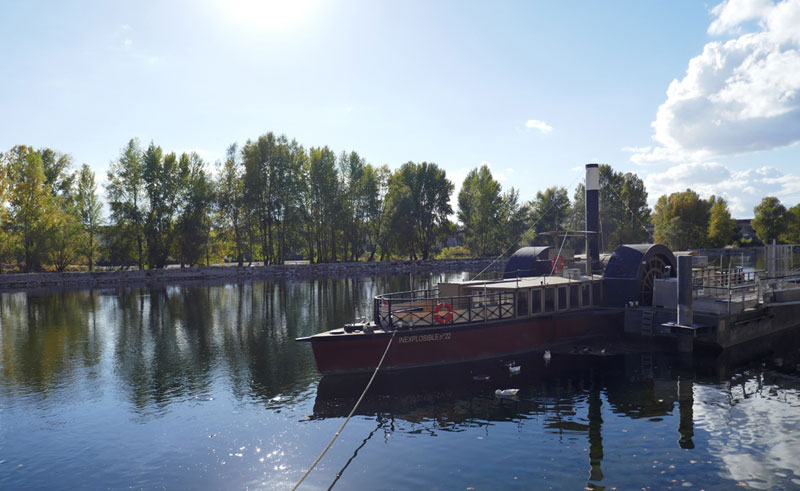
(426, 308)
(737, 285)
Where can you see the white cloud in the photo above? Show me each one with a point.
(127, 43)
(743, 190)
(730, 14)
(737, 96)
(538, 125)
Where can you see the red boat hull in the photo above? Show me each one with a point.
(431, 346)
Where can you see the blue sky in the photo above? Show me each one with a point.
(685, 94)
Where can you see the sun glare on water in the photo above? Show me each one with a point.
(268, 15)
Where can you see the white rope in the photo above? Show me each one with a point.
(552, 270)
(566, 234)
(339, 431)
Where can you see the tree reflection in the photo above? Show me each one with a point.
(48, 341)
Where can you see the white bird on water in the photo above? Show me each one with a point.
(506, 392)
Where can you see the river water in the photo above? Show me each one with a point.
(204, 387)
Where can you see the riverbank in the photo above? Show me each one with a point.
(235, 274)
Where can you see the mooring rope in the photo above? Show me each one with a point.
(339, 431)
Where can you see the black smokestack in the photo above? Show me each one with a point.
(592, 217)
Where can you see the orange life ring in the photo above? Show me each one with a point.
(559, 263)
(447, 318)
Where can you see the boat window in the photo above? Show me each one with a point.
(536, 301)
(596, 293)
(562, 297)
(585, 298)
(573, 297)
(522, 303)
(549, 299)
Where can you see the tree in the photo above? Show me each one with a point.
(65, 237)
(31, 205)
(89, 209)
(722, 229)
(512, 220)
(375, 186)
(230, 200)
(351, 169)
(792, 233)
(58, 178)
(163, 179)
(197, 201)
(125, 191)
(323, 201)
(271, 168)
(770, 219)
(479, 205)
(623, 208)
(549, 212)
(681, 220)
(288, 208)
(5, 189)
(421, 204)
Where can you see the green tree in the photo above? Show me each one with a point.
(57, 172)
(65, 236)
(265, 168)
(681, 220)
(230, 201)
(770, 219)
(549, 212)
(421, 204)
(479, 205)
(5, 189)
(163, 177)
(89, 209)
(324, 202)
(623, 208)
(722, 229)
(195, 222)
(288, 208)
(792, 233)
(512, 220)
(374, 187)
(126, 200)
(351, 171)
(31, 206)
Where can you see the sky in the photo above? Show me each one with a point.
(684, 94)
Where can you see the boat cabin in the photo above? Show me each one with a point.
(482, 301)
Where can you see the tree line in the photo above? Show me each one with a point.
(272, 200)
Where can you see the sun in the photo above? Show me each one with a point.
(268, 15)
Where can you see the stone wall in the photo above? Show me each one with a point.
(234, 274)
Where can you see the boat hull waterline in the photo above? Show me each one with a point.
(453, 343)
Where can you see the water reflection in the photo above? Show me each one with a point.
(573, 395)
(213, 375)
(45, 338)
(167, 343)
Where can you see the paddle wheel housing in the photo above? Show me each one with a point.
(631, 273)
